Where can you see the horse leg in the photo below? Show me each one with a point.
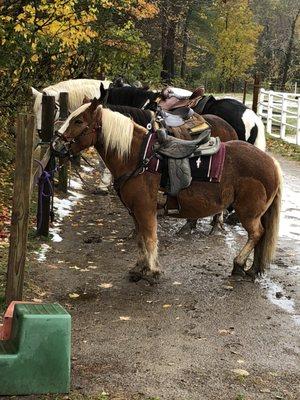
(255, 231)
(217, 222)
(255, 268)
(147, 266)
(188, 227)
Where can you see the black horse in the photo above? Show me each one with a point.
(246, 123)
(129, 96)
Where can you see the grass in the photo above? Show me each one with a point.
(278, 146)
(102, 396)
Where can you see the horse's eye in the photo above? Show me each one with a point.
(78, 121)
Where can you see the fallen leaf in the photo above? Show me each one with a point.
(228, 287)
(177, 283)
(167, 305)
(240, 361)
(240, 372)
(265, 391)
(122, 318)
(224, 332)
(105, 285)
(73, 295)
(37, 300)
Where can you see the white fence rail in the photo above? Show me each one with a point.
(281, 111)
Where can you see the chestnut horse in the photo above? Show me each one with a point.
(250, 182)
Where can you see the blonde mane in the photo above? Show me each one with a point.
(117, 131)
(77, 89)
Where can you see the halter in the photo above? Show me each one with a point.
(85, 132)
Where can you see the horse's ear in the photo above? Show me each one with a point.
(94, 104)
(34, 92)
(102, 91)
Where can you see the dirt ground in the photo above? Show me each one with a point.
(193, 336)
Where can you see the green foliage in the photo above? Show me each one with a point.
(236, 36)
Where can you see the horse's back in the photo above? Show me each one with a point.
(220, 128)
(139, 116)
(249, 162)
(72, 84)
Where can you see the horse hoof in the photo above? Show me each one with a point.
(135, 276)
(232, 219)
(152, 279)
(238, 271)
(253, 273)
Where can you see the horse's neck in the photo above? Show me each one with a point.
(115, 164)
(210, 102)
(131, 98)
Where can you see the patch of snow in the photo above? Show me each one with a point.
(41, 253)
(86, 168)
(62, 209)
(75, 184)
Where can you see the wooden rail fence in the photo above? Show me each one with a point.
(281, 111)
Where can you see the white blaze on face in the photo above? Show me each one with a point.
(75, 113)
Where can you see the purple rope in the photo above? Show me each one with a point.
(44, 179)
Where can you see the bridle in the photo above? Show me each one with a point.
(86, 132)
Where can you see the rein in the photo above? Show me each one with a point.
(141, 167)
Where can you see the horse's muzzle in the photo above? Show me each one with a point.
(60, 147)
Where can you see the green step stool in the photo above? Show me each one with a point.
(35, 359)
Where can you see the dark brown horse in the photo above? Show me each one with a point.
(250, 182)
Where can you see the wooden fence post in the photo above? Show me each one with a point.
(245, 92)
(63, 170)
(20, 208)
(284, 109)
(261, 98)
(44, 200)
(255, 92)
(298, 123)
(270, 111)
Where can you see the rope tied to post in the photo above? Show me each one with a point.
(45, 181)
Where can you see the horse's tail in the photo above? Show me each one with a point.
(270, 220)
(260, 140)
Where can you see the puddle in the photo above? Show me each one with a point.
(286, 304)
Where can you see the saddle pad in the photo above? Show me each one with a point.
(208, 168)
(172, 120)
(192, 127)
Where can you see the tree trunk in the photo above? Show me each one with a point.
(185, 43)
(169, 54)
(288, 54)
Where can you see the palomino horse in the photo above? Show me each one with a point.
(77, 89)
(250, 182)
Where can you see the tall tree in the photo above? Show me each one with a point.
(236, 37)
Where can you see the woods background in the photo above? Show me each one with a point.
(216, 43)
